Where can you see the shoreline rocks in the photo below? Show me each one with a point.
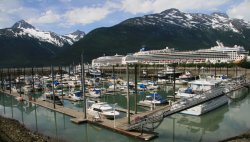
(12, 131)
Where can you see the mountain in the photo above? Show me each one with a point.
(23, 44)
(25, 30)
(172, 28)
(73, 37)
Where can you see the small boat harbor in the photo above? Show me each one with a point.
(196, 91)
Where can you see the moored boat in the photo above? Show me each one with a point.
(103, 109)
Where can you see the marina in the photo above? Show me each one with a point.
(176, 127)
(124, 71)
(141, 123)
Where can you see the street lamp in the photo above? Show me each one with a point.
(114, 112)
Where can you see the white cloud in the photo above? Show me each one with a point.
(46, 18)
(86, 15)
(145, 6)
(13, 11)
(240, 11)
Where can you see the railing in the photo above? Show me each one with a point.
(146, 122)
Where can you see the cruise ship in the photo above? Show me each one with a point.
(216, 54)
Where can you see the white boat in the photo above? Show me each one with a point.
(95, 92)
(115, 87)
(187, 76)
(76, 96)
(152, 86)
(180, 82)
(95, 72)
(168, 73)
(103, 109)
(27, 88)
(197, 87)
(153, 98)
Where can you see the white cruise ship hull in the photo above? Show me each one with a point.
(206, 107)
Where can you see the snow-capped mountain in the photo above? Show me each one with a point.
(73, 37)
(23, 44)
(172, 28)
(25, 30)
(218, 21)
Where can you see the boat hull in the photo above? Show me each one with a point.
(206, 107)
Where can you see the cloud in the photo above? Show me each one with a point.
(240, 11)
(86, 15)
(146, 6)
(14, 10)
(46, 18)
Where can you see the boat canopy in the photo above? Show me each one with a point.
(78, 94)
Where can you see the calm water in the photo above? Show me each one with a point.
(226, 121)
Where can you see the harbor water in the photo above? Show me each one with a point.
(227, 121)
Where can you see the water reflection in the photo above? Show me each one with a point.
(55, 124)
(228, 120)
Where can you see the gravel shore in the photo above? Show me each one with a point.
(12, 131)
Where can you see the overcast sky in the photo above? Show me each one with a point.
(65, 16)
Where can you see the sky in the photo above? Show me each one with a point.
(66, 16)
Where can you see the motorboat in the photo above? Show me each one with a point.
(152, 86)
(103, 109)
(168, 73)
(95, 92)
(27, 88)
(180, 82)
(48, 96)
(186, 76)
(197, 88)
(76, 96)
(153, 98)
(94, 72)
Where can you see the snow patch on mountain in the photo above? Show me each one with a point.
(26, 29)
(217, 20)
(42, 36)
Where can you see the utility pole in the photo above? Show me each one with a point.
(128, 101)
(174, 81)
(61, 83)
(52, 73)
(113, 75)
(135, 88)
(83, 87)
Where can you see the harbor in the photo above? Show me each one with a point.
(125, 71)
(133, 125)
